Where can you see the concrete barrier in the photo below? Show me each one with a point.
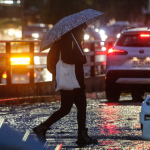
(45, 90)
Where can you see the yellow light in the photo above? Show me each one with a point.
(135, 58)
(35, 75)
(11, 32)
(18, 34)
(148, 58)
(35, 35)
(4, 75)
(20, 61)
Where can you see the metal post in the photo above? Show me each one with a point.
(8, 72)
(32, 62)
(92, 48)
(22, 17)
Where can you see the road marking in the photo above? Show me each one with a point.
(58, 147)
(26, 135)
(45, 143)
(1, 121)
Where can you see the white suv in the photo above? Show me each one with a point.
(128, 65)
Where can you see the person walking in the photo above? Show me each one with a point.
(70, 54)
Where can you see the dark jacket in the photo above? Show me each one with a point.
(70, 54)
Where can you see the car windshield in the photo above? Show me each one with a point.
(134, 41)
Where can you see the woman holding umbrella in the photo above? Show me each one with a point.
(70, 54)
(62, 38)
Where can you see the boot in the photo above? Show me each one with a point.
(40, 132)
(83, 138)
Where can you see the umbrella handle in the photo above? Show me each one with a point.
(77, 44)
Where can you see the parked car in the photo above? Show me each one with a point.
(128, 65)
(35, 31)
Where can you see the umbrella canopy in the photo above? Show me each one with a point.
(67, 24)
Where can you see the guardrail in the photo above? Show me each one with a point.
(5, 63)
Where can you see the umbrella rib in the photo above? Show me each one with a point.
(77, 43)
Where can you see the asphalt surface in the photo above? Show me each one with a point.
(115, 125)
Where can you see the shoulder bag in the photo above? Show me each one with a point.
(65, 76)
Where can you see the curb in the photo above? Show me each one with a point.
(96, 95)
(40, 99)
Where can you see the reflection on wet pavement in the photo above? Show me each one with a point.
(115, 125)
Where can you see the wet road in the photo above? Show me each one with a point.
(115, 125)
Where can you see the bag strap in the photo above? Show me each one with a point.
(77, 44)
(60, 56)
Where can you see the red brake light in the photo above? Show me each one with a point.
(117, 51)
(35, 74)
(144, 35)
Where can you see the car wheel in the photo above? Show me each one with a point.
(137, 96)
(112, 93)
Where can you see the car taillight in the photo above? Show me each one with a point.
(116, 52)
(144, 35)
(35, 74)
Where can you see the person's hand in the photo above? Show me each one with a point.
(82, 44)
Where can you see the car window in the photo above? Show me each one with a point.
(133, 41)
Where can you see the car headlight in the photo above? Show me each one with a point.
(103, 37)
(101, 32)
(35, 35)
(96, 30)
(118, 35)
(86, 37)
